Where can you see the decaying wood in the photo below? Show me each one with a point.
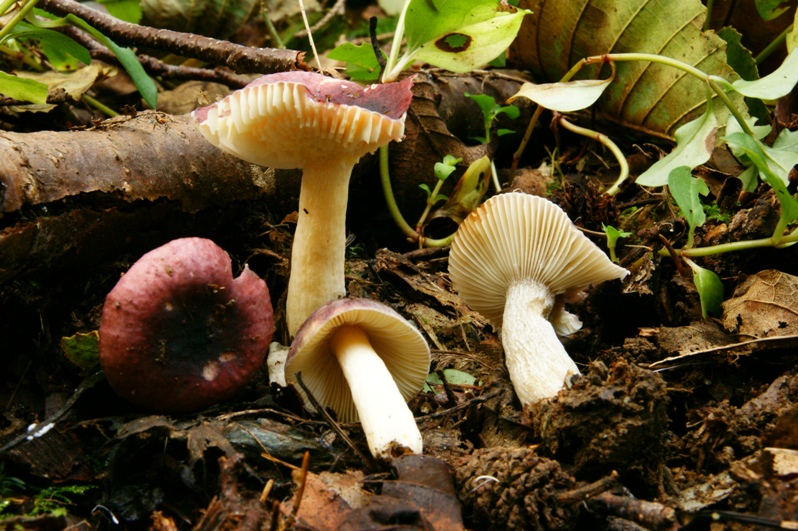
(68, 193)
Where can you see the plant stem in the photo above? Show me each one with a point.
(390, 72)
(712, 81)
(524, 141)
(735, 246)
(390, 199)
(22, 13)
(431, 200)
(608, 143)
(773, 46)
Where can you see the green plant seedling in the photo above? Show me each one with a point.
(442, 172)
(687, 190)
(490, 110)
(82, 349)
(613, 235)
(709, 287)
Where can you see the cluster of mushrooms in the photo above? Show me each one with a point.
(514, 260)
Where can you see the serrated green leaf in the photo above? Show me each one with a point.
(710, 289)
(458, 35)
(566, 96)
(361, 63)
(22, 89)
(695, 142)
(778, 83)
(82, 349)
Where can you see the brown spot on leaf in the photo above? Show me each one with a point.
(454, 42)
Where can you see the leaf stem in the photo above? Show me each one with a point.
(608, 143)
(773, 46)
(734, 246)
(712, 81)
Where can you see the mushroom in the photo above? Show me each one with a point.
(363, 360)
(324, 126)
(179, 334)
(513, 260)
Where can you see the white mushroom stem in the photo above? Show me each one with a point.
(537, 361)
(317, 255)
(387, 421)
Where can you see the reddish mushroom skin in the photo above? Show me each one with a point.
(179, 334)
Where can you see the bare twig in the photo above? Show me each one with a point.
(331, 421)
(239, 58)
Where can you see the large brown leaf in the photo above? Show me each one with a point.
(652, 98)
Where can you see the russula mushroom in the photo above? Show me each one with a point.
(324, 126)
(179, 334)
(365, 361)
(512, 260)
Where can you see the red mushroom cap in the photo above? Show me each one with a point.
(179, 334)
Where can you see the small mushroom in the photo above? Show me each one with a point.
(513, 260)
(324, 126)
(179, 334)
(363, 360)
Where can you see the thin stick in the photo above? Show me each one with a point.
(330, 421)
(310, 34)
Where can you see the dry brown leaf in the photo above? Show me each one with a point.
(764, 305)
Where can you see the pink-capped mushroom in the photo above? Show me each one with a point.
(178, 333)
(323, 126)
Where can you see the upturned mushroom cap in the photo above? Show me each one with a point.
(397, 342)
(285, 120)
(516, 237)
(178, 333)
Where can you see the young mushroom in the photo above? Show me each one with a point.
(363, 360)
(324, 126)
(512, 260)
(179, 334)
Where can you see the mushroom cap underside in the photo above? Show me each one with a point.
(397, 342)
(518, 237)
(289, 120)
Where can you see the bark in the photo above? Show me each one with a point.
(74, 193)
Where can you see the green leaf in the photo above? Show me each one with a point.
(710, 289)
(56, 46)
(756, 152)
(778, 83)
(613, 235)
(645, 96)
(792, 35)
(127, 10)
(695, 142)
(568, 96)
(686, 191)
(467, 193)
(458, 35)
(444, 169)
(82, 349)
(779, 158)
(361, 63)
(452, 376)
(22, 89)
(129, 61)
(770, 9)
